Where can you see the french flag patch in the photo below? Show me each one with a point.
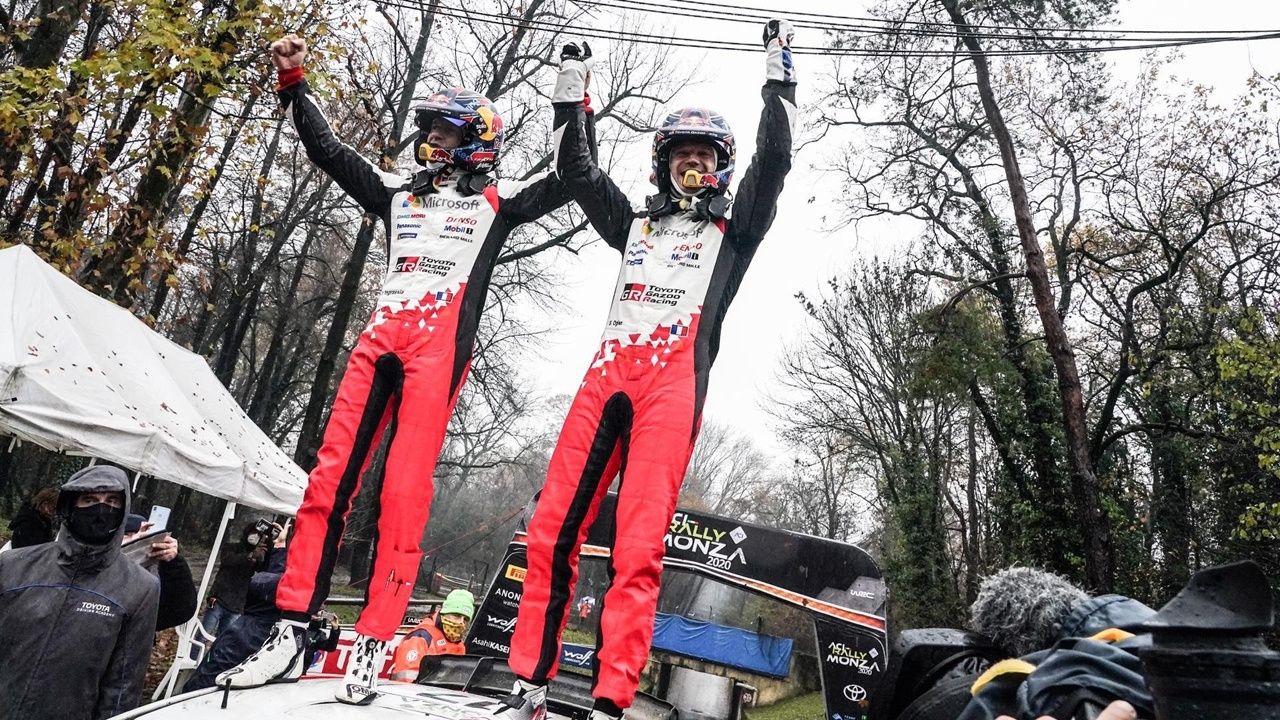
(679, 330)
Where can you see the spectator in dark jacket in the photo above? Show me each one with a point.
(244, 635)
(77, 620)
(34, 522)
(177, 586)
(237, 566)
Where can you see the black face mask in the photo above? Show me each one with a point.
(94, 524)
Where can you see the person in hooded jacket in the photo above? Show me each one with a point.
(76, 593)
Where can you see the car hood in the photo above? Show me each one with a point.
(313, 699)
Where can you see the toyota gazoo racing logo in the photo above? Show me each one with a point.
(422, 264)
(654, 294)
(632, 292)
(687, 534)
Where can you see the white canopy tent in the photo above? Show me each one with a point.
(81, 375)
(78, 373)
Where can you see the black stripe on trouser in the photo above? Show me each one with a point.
(377, 497)
(615, 423)
(613, 542)
(388, 375)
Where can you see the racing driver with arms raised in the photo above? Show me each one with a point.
(639, 407)
(445, 225)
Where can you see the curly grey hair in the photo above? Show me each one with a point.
(1022, 609)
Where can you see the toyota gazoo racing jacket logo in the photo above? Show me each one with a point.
(687, 534)
(653, 294)
(866, 662)
(422, 264)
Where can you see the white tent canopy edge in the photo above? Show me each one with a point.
(80, 374)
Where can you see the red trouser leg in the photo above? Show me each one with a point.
(405, 502)
(662, 438)
(584, 463)
(359, 414)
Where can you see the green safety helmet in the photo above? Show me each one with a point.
(460, 602)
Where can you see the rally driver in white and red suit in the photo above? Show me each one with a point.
(640, 404)
(445, 226)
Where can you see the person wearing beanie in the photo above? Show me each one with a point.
(75, 608)
(440, 634)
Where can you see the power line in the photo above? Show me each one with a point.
(891, 27)
(776, 13)
(735, 46)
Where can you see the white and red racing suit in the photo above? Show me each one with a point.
(639, 407)
(408, 365)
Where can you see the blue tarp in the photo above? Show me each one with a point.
(742, 649)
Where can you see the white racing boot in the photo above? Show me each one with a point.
(526, 702)
(280, 659)
(360, 686)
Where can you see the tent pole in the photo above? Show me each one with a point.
(136, 477)
(227, 515)
(188, 631)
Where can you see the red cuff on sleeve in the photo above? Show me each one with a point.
(289, 78)
(586, 102)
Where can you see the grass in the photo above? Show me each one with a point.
(578, 637)
(802, 707)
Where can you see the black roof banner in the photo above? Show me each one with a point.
(838, 583)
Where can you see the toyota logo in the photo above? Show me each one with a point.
(855, 693)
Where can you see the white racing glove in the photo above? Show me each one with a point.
(575, 74)
(777, 42)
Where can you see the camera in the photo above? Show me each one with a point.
(267, 532)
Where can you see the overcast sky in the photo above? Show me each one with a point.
(798, 255)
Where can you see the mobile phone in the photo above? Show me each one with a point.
(159, 517)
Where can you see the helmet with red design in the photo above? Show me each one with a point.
(697, 125)
(481, 125)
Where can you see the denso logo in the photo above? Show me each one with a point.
(461, 220)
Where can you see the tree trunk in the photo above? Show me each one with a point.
(197, 212)
(1084, 484)
(56, 20)
(310, 434)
